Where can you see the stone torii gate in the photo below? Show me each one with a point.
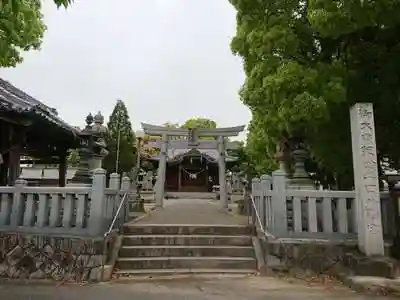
(190, 140)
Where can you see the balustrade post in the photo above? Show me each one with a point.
(126, 184)
(114, 181)
(127, 187)
(255, 182)
(265, 210)
(97, 219)
(17, 210)
(113, 202)
(278, 203)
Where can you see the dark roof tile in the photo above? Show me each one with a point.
(13, 99)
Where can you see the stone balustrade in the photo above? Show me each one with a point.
(327, 214)
(72, 210)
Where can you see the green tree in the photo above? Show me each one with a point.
(243, 164)
(306, 63)
(199, 123)
(171, 125)
(21, 28)
(120, 133)
(73, 157)
(194, 122)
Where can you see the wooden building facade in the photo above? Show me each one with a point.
(30, 128)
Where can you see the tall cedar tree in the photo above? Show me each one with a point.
(119, 122)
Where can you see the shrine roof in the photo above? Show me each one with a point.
(177, 155)
(13, 99)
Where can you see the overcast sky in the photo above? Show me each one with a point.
(168, 60)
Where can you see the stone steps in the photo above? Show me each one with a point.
(156, 229)
(190, 195)
(186, 249)
(168, 272)
(153, 240)
(181, 262)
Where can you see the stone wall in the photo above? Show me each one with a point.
(317, 257)
(329, 258)
(25, 256)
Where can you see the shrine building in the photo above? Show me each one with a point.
(192, 170)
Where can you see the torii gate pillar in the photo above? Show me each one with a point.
(223, 196)
(162, 167)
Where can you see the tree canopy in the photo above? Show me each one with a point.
(199, 123)
(306, 64)
(120, 132)
(194, 122)
(73, 157)
(21, 28)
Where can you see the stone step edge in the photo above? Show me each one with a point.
(206, 236)
(160, 258)
(188, 225)
(162, 272)
(185, 247)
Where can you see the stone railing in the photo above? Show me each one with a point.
(316, 214)
(72, 210)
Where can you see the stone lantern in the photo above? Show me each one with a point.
(92, 149)
(300, 179)
(99, 146)
(82, 175)
(282, 155)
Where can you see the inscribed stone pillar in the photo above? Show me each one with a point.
(162, 168)
(223, 197)
(366, 181)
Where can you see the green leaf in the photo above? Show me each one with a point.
(306, 64)
(21, 28)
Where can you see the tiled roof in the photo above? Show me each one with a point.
(13, 99)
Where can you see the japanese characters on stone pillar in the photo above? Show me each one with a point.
(366, 181)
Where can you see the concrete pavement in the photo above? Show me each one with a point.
(192, 211)
(194, 288)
